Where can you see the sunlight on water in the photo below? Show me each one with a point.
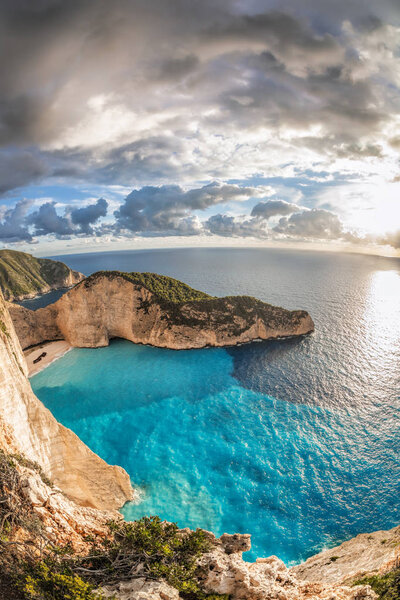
(206, 452)
(382, 313)
(295, 442)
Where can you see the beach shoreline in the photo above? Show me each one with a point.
(53, 350)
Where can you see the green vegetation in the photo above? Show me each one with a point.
(44, 583)
(33, 568)
(22, 274)
(386, 586)
(165, 288)
(3, 328)
(151, 548)
(183, 305)
(31, 464)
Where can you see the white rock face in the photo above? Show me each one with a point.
(367, 553)
(27, 427)
(225, 572)
(108, 306)
(141, 589)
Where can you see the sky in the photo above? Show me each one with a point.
(151, 123)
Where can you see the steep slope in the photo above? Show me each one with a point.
(24, 276)
(367, 553)
(27, 427)
(151, 309)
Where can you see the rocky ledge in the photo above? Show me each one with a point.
(152, 309)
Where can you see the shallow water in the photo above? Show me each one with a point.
(296, 442)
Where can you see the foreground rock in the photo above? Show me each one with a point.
(366, 554)
(24, 276)
(28, 428)
(223, 571)
(155, 310)
(69, 515)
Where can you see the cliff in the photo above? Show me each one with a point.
(366, 554)
(112, 560)
(27, 427)
(152, 309)
(24, 276)
(63, 525)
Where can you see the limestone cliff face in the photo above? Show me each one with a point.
(27, 427)
(108, 305)
(366, 554)
(222, 570)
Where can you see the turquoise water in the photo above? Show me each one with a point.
(296, 442)
(206, 451)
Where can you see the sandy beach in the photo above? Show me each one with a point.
(53, 351)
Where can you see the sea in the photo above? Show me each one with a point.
(295, 441)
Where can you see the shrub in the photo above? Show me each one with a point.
(386, 586)
(149, 548)
(39, 570)
(44, 583)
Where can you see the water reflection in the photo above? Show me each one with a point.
(382, 311)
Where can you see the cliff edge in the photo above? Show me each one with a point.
(28, 428)
(152, 309)
(41, 522)
(24, 276)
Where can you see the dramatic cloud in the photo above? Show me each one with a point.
(273, 208)
(312, 224)
(46, 220)
(301, 94)
(392, 239)
(86, 216)
(229, 226)
(13, 223)
(165, 208)
(18, 168)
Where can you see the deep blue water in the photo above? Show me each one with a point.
(295, 442)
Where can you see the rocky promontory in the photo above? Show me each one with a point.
(24, 276)
(153, 309)
(59, 539)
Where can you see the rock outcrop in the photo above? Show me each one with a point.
(110, 305)
(366, 554)
(70, 512)
(221, 570)
(225, 572)
(27, 427)
(24, 276)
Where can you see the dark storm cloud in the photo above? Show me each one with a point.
(273, 208)
(46, 220)
(139, 92)
(162, 208)
(18, 168)
(175, 68)
(280, 31)
(88, 215)
(51, 52)
(13, 223)
(312, 224)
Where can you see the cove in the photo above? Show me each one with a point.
(206, 451)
